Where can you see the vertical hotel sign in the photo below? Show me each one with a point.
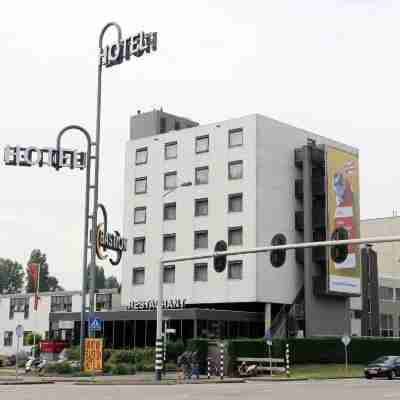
(343, 211)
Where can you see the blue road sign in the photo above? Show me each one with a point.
(95, 324)
(268, 337)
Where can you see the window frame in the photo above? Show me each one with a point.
(170, 267)
(141, 239)
(142, 178)
(204, 168)
(230, 264)
(166, 175)
(235, 229)
(233, 163)
(234, 196)
(8, 338)
(198, 265)
(167, 205)
(196, 201)
(134, 215)
(136, 155)
(168, 144)
(233, 131)
(198, 138)
(169, 236)
(135, 270)
(196, 234)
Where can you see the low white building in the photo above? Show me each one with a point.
(18, 309)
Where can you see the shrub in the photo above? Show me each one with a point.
(123, 357)
(58, 368)
(175, 349)
(123, 369)
(73, 353)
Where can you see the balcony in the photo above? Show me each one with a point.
(318, 219)
(318, 187)
(318, 255)
(317, 156)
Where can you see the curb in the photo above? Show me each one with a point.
(301, 379)
(153, 383)
(12, 383)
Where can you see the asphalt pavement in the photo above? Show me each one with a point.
(353, 389)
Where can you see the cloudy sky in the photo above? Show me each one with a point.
(331, 67)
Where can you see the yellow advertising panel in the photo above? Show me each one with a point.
(93, 355)
(343, 211)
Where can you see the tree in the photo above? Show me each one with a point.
(47, 283)
(11, 276)
(112, 282)
(38, 257)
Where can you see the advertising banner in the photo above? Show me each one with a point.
(93, 355)
(343, 211)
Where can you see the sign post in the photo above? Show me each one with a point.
(346, 341)
(19, 332)
(268, 339)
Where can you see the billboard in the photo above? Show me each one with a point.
(343, 211)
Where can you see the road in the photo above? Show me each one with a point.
(327, 390)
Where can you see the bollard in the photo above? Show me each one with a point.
(287, 358)
(222, 350)
(159, 358)
(208, 368)
(165, 355)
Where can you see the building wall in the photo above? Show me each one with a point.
(388, 253)
(218, 289)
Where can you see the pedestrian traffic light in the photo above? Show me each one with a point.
(220, 261)
(339, 253)
(278, 257)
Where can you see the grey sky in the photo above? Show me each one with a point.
(331, 67)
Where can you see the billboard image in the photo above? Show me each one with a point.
(343, 212)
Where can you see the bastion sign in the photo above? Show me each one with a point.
(52, 157)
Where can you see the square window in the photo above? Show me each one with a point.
(171, 150)
(235, 202)
(202, 144)
(140, 215)
(141, 156)
(201, 240)
(201, 176)
(169, 242)
(235, 170)
(200, 207)
(8, 338)
(235, 269)
(140, 185)
(170, 180)
(236, 137)
(200, 273)
(139, 245)
(169, 211)
(235, 236)
(138, 276)
(169, 274)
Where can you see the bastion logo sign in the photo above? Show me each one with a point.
(109, 241)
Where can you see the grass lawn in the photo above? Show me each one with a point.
(319, 371)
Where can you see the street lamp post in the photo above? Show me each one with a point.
(160, 298)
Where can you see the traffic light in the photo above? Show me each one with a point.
(339, 253)
(278, 257)
(220, 261)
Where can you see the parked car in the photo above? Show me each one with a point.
(383, 367)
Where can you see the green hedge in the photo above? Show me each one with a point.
(318, 349)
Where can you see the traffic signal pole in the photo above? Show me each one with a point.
(267, 249)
